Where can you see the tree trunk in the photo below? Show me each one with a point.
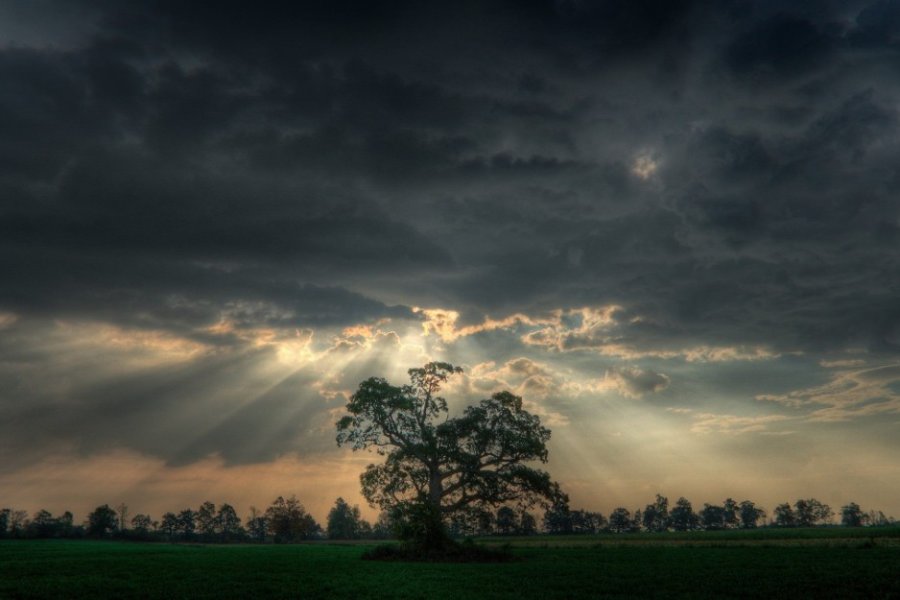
(436, 537)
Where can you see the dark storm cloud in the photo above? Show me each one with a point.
(328, 142)
(725, 171)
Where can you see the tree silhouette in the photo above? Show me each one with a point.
(102, 521)
(288, 521)
(169, 524)
(122, 509)
(712, 517)
(206, 520)
(620, 520)
(228, 523)
(656, 515)
(558, 518)
(527, 523)
(682, 517)
(852, 515)
(257, 525)
(436, 466)
(730, 516)
(749, 514)
(506, 520)
(141, 523)
(344, 522)
(187, 523)
(784, 516)
(810, 511)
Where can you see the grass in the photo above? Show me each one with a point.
(836, 563)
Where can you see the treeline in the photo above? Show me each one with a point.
(286, 521)
(658, 516)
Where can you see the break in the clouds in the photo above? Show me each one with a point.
(672, 227)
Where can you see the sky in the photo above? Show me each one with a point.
(672, 227)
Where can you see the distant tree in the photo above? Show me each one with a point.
(18, 522)
(730, 516)
(712, 517)
(784, 516)
(187, 523)
(527, 523)
(288, 521)
(257, 525)
(852, 515)
(620, 520)
(749, 514)
(122, 509)
(205, 518)
(656, 515)
(343, 521)
(878, 519)
(682, 517)
(810, 512)
(384, 526)
(822, 513)
(66, 523)
(228, 523)
(465, 523)
(485, 520)
(43, 525)
(103, 521)
(558, 518)
(585, 521)
(506, 521)
(365, 529)
(169, 525)
(141, 523)
(436, 466)
(4, 521)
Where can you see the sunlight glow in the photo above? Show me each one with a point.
(644, 166)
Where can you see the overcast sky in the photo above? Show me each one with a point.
(671, 226)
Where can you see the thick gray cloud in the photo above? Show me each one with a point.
(724, 171)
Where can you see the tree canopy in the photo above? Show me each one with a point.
(436, 466)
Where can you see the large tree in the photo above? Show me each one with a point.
(436, 467)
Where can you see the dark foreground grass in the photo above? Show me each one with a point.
(861, 568)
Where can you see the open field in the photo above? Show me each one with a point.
(833, 563)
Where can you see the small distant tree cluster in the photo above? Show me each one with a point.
(804, 513)
(621, 521)
(16, 524)
(560, 519)
(206, 524)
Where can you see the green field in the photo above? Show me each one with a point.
(826, 563)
